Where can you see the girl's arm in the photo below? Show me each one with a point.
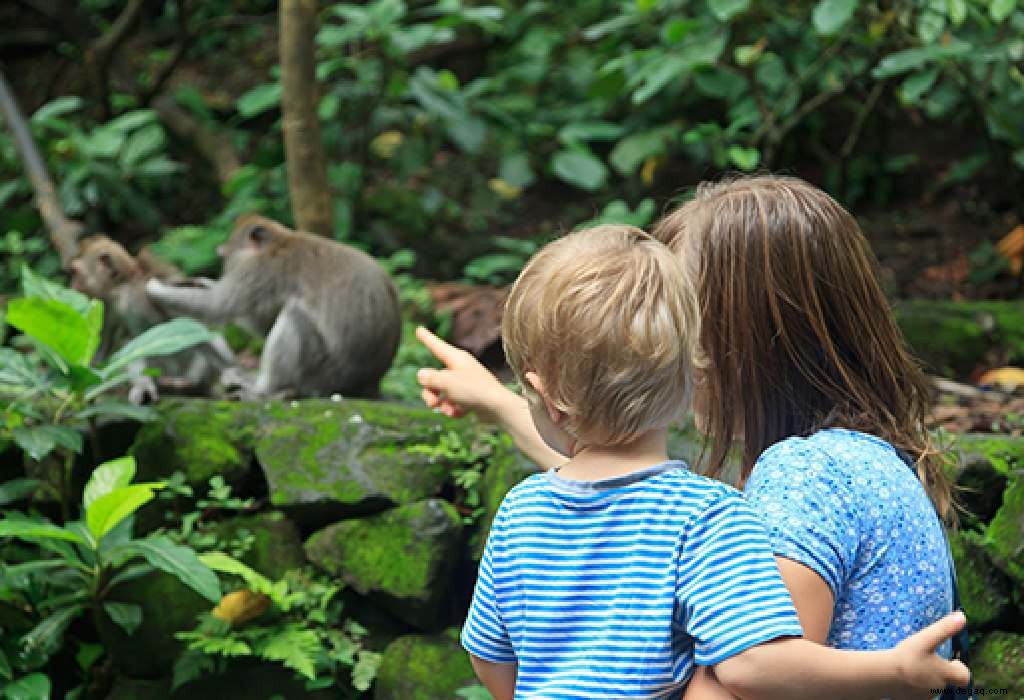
(793, 669)
(465, 385)
(499, 679)
(811, 596)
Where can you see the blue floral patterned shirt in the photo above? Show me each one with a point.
(844, 504)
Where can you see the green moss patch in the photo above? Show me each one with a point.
(417, 667)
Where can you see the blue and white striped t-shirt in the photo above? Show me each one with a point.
(616, 588)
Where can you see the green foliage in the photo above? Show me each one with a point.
(50, 397)
(73, 568)
(468, 460)
(303, 630)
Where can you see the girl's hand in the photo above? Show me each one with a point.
(463, 386)
(920, 667)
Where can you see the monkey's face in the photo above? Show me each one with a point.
(100, 267)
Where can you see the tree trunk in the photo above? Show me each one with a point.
(304, 154)
(64, 232)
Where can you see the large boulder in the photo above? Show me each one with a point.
(276, 545)
(506, 467)
(402, 557)
(199, 438)
(417, 667)
(998, 665)
(984, 590)
(1004, 536)
(953, 338)
(326, 460)
(168, 606)
(249, 679)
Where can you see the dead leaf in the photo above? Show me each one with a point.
(1005, 378)
(241, 606)
(1011, 247)
(954, 272)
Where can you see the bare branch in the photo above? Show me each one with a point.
(64, 232)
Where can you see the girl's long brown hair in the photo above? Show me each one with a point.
(796, 333)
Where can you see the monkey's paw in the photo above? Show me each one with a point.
(238, 384)
(143, 391)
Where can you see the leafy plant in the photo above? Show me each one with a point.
(197, 527)
(468, 460)
(50, 397)
(296, 622)
(77, 565)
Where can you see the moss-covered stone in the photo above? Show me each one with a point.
(403, 557)
(168, 606)
(251, 680)
(954, 337)
(1004, 537)
(998, 664)
(276, 546)
(506, 467)
(199, 438)
(324, 460)
(984, 590)
(984, 464)
(417, 667)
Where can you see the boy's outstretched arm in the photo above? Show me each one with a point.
(465, 385)
(499, 679)
(796, 668)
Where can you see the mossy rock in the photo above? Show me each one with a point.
(418, 667)
(200, 438)
(984, 590)
(984, 463)
(326, 460)
(953, 338)
(402, 557)
(1004, 536)
(998, 664)
(243, 679)
(506, 467)
(168, 606)
(276, 547)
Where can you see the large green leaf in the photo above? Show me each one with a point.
(34, 686)
(581, 168)
(34, 529)
(118, 409)
(18, 373)
(73, 336)
(180, 561)
(259, 99)
(39, 441)
(46, 637)
(127, 616)
(912, 59)
(1001, 9)
(164, 339)
(113, 507)
(108, 476)
(633, 150)
(17, 489)
(830, 15)
(37, 286)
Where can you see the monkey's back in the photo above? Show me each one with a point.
(355, 306)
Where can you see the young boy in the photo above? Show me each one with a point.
(615, 574)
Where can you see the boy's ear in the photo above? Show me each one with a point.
(554, 413)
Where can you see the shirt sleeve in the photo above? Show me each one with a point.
(805, 503)
(484, 634)
(730, 593)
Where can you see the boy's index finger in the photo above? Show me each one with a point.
(443, 351)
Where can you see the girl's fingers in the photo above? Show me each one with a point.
(430, 398)
(957, 673)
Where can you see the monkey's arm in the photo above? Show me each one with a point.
(209, 302)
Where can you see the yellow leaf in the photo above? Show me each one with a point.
(648, 169)
(386, 143)
(1008, 378)
(504, 189)
(241, 606)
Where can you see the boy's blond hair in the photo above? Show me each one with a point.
(606, 317)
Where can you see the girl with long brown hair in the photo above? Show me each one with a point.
(802, 371)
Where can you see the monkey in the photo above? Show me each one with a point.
(329, 312)
(104, 270)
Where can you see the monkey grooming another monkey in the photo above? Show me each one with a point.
(329, 312)
(104, 270)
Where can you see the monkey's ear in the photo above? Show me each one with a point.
(258, 235)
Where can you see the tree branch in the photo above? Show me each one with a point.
(64, 232)
(100, 51)
(215, 147)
